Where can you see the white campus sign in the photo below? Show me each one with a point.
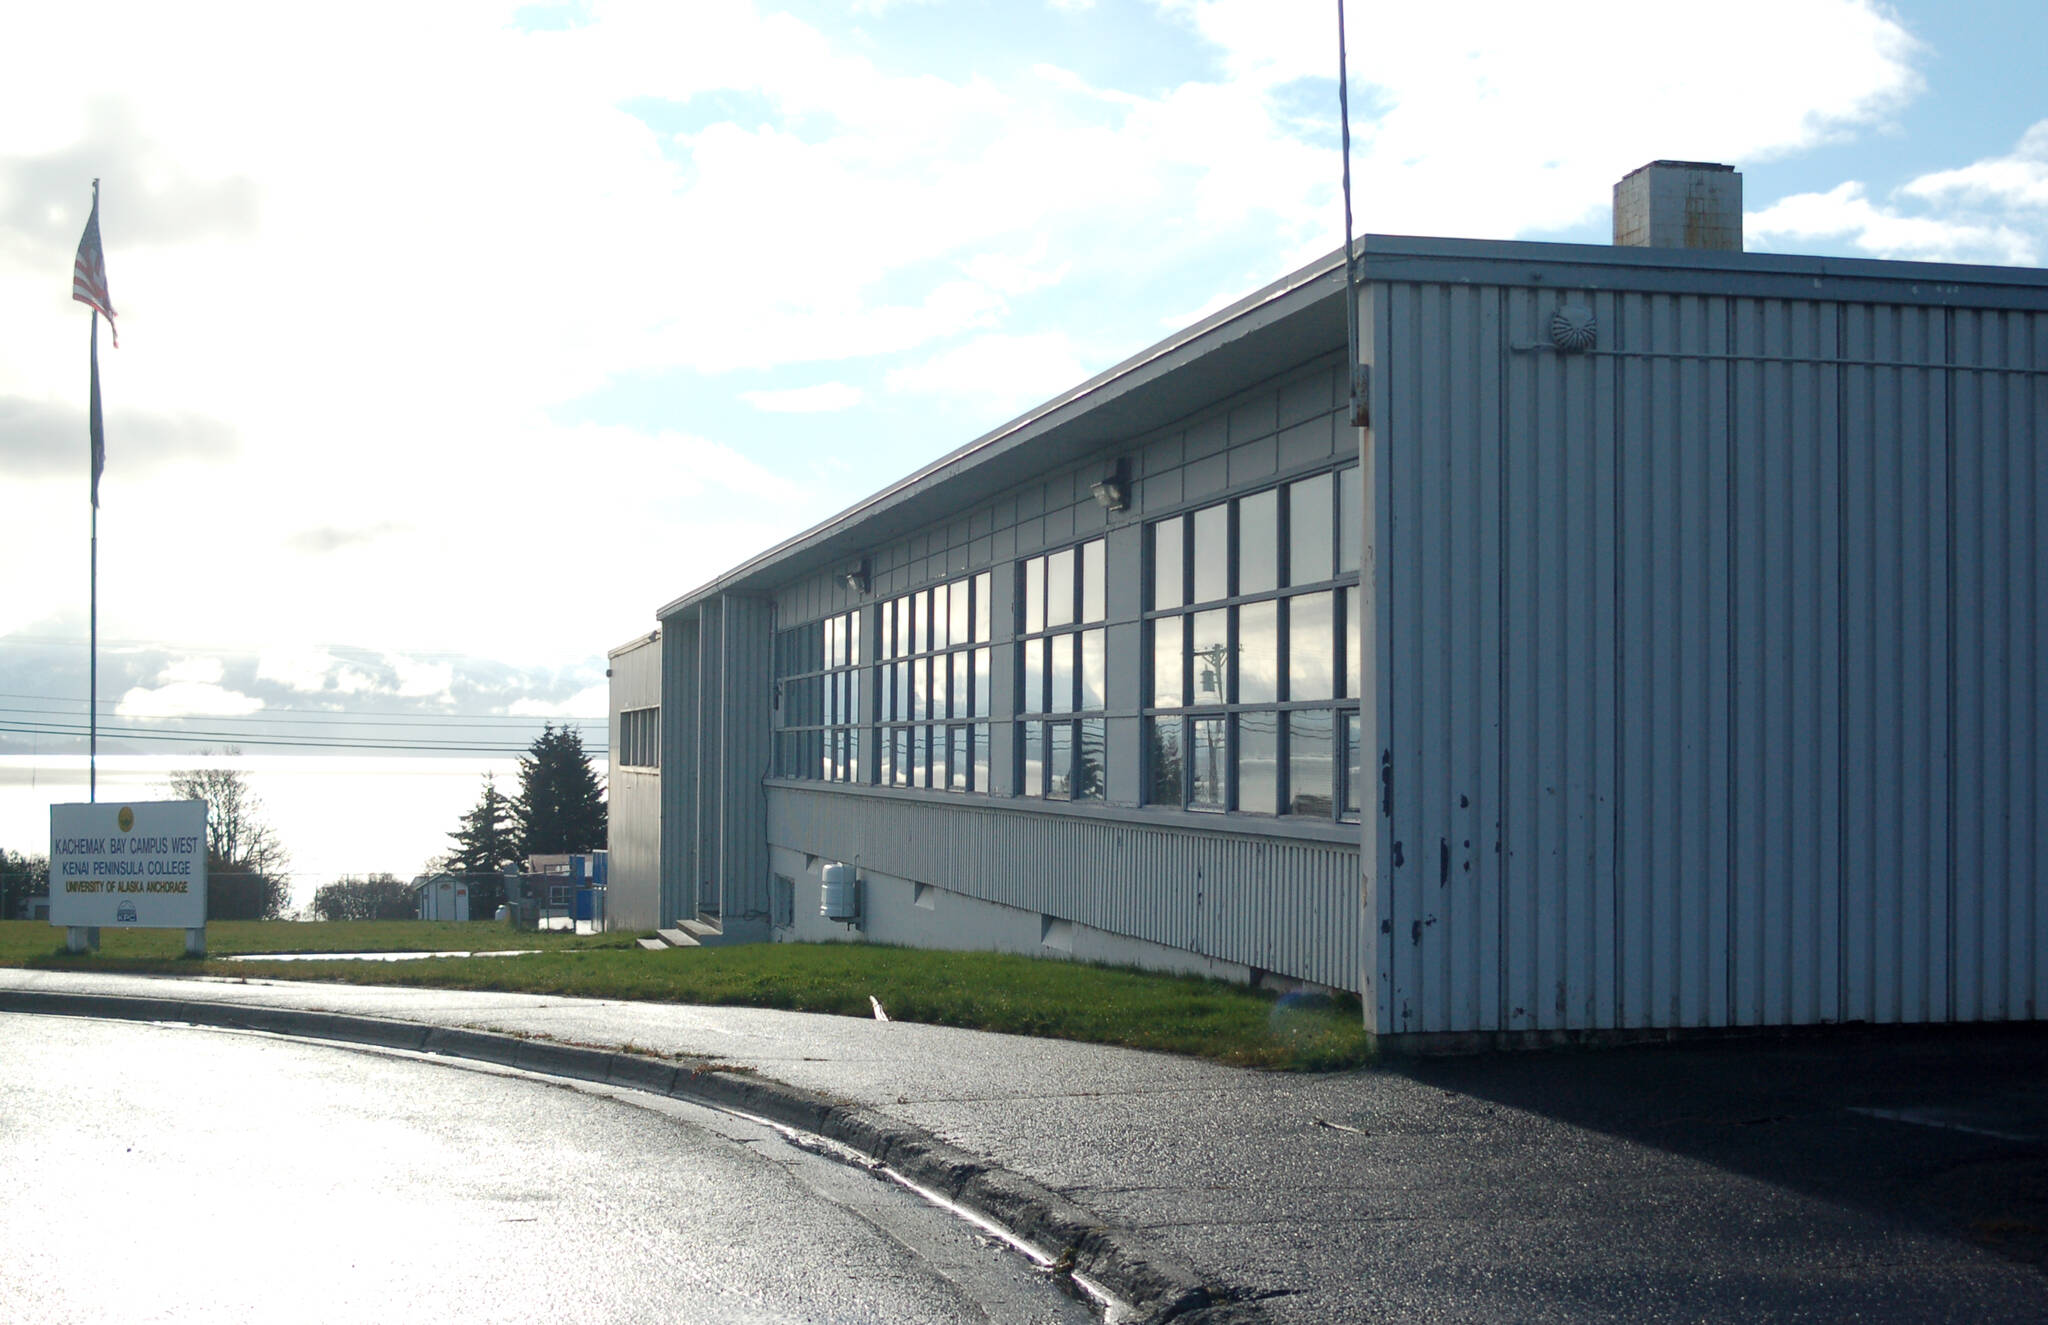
(138, 865)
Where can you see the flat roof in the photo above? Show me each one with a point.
(1301, 316)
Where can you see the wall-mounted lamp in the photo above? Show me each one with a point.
(1113, 490)
(856, 578)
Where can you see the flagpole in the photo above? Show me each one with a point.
(92, 757)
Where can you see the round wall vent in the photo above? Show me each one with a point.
(1572, 329)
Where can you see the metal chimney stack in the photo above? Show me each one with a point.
(1680, 204)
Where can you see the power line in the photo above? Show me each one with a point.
(12, 727)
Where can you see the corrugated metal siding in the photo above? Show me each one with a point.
(633, 795)
(1752, 633)
(679, 766)
(745, 664)
(1285, 906)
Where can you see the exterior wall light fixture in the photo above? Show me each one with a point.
(856, 578)
(1113, 490)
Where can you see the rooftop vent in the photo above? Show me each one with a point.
(1680, 204)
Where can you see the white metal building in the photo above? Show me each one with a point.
(1699, 597)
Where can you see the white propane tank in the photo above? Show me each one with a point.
(841, 894)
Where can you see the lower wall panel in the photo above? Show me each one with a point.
(1283, 906)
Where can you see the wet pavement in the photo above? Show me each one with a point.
(1895, 1177)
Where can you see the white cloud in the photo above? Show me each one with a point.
(186, 699)
(823, 398)
(193, 671)
(1994, 210)
(1010, 373)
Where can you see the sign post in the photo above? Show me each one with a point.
(135, 866)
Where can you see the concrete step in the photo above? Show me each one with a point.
(654, 944)
(676, 938)
(704, 931)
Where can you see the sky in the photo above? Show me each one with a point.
(458, 338)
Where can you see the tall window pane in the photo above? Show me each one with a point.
(1034, 595)
(1258, 762)
(981, 756)
(920, 621)
(1061, 672)
(1311, 646)
(1258, 542)
(980, 684)
(1208, 764)
(941, 687)
(1163, 740)
(1353, 672)
(853, 639)
(1354, 783)
(981, 608)
(960, 664)
(1310, 550)
(1033, 698)
(1350, 518)
(1091, 778)
(942, 621)
(1094, 585)
(903, 756)
(1209, 656)
(1258, 652)
(956, 763)
(958, 623)
(1212, 553)
(1169, 682)
(1059, 761)
(1059, 588)
(920, 755)
(1094, 658)
(1311, 762)
(1034, 758)
(888, 759)
(1167, 586)
(920, 695)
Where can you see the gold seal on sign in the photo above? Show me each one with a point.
(126, 818)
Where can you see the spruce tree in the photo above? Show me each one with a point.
(560, 806)
(488, 837)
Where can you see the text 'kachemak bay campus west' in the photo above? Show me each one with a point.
(1662, 646)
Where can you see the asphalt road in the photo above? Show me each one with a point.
(176, 1173)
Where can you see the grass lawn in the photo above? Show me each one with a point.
(979, 990)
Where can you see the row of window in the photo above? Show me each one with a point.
(638, 741)
(1250, 683)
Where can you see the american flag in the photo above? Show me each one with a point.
(89, 271)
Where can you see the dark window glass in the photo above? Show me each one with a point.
(1164, 737)
(1059, 588)
(1311, 646)
(1094, 660)
(1208, 764)
(1094, 588)
(1309, 546)
(1354, 783)
(1258, 762)
(1311, 762)
(1350, 518)
(1258, 652)
(1059, 760)
(1091, 778)
(1212, 553)
(1258, 542)
(1169, 681)
(1209, 656)
(1166, 565)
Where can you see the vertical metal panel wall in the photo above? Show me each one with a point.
(679, 764)
(633, 794)
(740, 815)
(1712, 682)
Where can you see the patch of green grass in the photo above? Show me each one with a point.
(978, 990)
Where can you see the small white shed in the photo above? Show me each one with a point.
(442, 897)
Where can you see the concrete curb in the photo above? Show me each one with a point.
(1160, 1286)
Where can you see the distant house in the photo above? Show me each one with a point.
(442, 896)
